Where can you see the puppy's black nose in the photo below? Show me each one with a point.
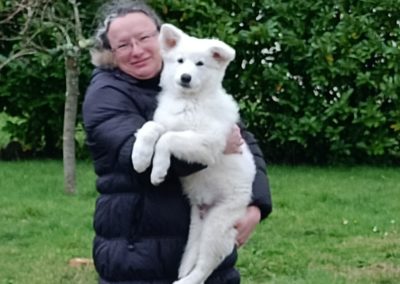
(186, 78)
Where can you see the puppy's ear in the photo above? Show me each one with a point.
(222, 53)
(169, 37)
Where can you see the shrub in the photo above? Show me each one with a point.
(317, 81)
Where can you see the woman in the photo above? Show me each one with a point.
(141, 230)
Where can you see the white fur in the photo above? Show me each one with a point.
(192, 122)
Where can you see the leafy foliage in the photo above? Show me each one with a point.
(318, 81)
(32, 87)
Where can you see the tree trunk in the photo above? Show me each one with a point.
(70, 111)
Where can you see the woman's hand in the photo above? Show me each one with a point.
(234, 142)
(246, 225)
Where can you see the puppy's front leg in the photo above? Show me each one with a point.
(195, 147)
(143, 148)
(161, 159)
(188, 146)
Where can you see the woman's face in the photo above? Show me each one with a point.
(134, 42)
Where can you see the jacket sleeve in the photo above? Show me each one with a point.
(111, 119)
(261, 196)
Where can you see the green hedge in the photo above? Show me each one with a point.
(318, 81)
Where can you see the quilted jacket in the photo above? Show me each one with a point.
(141, 229)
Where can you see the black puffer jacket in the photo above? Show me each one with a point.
(141, 230)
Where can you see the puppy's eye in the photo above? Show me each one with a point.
(199, 63)
(180, 60)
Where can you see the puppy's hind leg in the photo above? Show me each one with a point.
(191, 253)
(217, 241)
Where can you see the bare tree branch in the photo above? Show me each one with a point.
(20, 7)
(31, 11)
(78, 25)
(17, 55)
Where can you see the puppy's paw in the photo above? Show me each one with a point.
(186, 281)
(184, 271)
(158, 175)
(141, 158)
(182, 281)
(161, 163)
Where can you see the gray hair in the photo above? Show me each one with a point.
(119, 8)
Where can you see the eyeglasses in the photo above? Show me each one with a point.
(142, 41)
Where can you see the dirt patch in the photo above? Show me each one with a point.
(377, 272)
(392, 240)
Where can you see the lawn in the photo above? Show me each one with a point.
(329, 225)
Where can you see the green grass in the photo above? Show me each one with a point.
(329, 225)
(41, 227)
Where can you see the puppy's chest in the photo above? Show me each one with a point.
(186, 115)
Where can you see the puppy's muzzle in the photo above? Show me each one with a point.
(185, 80)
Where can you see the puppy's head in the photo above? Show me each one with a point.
(192, 65)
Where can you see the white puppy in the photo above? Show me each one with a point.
(193, 119)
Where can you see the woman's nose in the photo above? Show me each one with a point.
(136, 48)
